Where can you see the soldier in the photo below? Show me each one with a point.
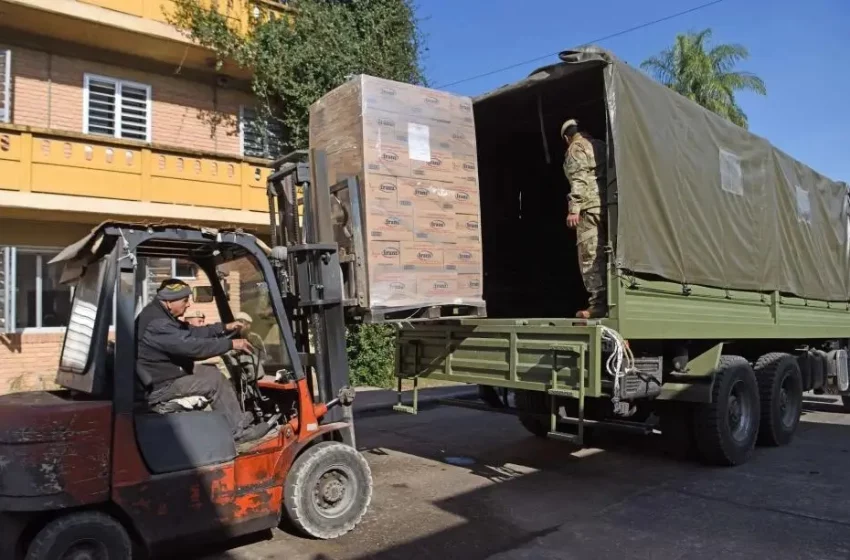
(584, 166)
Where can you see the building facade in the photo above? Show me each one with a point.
(108, 112)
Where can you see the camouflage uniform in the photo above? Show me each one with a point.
(584, 166)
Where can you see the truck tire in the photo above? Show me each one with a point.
(327, 490)
(781, 393)
(532, 408)
(726, 429)
(83, 534)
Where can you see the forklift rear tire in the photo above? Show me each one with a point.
(328, 490)
(84, 534)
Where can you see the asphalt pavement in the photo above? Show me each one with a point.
(456, 483)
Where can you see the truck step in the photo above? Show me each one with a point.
(569, 438)
(564, 393)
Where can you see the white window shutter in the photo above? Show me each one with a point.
(134, 112)
(101, 106)
(260, 138)
(5, 85)
(117, 108)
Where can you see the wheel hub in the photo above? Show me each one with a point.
(85, 550)
(332, 493)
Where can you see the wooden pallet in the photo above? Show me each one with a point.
(426, 313)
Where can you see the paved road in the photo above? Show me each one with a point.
(455, 483)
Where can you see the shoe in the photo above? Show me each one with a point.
(253, 433)
(591, 313)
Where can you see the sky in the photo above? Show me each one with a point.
(801, 49)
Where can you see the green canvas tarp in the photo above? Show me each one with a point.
(702, 201)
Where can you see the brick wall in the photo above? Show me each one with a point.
(47, 92)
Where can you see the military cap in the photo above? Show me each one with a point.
(243, 317)
(568, 123)
(194, 314)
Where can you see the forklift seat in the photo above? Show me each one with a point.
(183, 404)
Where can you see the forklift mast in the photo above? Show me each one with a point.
(306, 261)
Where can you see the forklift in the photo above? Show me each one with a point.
(92, 471)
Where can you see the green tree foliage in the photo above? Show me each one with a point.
(295, 60)
(371, 355)
(706, 74)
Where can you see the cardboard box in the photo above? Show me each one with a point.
(469, 286)
(382, 190)
(467, 227)
(438, 287)
(465, 170)
(421, 256)
(389, 224)
(439, 168)
(461, 111)
(437, 227)
(393, 290)
(386, 159)
(385, 256)
(427, 195)
(462, 257)
(464, 200)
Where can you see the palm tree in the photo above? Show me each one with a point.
(706, 76)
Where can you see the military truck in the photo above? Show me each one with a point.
(728, 282)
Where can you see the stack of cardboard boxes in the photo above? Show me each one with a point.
(413, 150)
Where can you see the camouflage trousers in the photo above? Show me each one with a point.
(591, 256)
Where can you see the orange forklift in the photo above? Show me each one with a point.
(90, 471)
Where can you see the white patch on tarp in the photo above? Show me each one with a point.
(419, 141)
(804, 204)
(731, 177)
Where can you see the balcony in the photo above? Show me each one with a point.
(134, 28)
(79, 174)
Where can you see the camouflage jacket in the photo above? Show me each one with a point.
(584, 166)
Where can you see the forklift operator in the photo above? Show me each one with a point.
(166, 351)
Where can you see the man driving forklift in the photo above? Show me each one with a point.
(166, 351)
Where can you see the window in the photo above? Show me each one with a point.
(30, 293)
(158, 269)
(260, 137)
(117, 108)
(5, 85)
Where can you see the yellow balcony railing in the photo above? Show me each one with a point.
(44, 161)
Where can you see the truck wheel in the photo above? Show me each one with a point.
(85, 534)
(781, 393)
(726, 429)
(532, 409)
(327, 490)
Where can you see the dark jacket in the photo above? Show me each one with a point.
(167, 348)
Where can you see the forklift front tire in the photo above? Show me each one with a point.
(83, 534)
(328, 490)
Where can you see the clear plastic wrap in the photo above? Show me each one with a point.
(413, 150)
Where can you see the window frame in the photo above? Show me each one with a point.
(40, 252)
(6, 81)
(242, 153)
(119, 84)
